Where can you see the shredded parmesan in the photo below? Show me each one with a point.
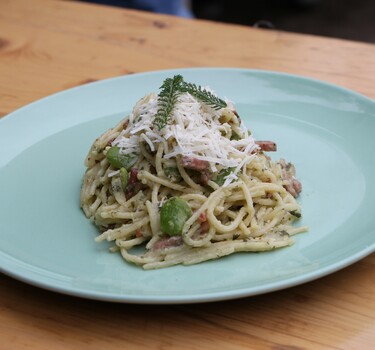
(194, 130)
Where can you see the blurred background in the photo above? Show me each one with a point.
(345, 19)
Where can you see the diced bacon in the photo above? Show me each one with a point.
(194, 163)
(202, 217)
(292, 185)
(267, 146)
(134, 185)
(205, 227)
(168, 242)
(205, 176)
(297, 187)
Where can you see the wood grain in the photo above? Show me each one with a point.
(48, 46)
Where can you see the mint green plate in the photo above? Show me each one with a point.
(45, 240)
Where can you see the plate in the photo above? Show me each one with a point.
(325, 130)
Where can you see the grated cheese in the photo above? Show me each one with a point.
(194, 130)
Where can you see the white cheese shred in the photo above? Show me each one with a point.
(193, 129)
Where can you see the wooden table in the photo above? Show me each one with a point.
(48, 46)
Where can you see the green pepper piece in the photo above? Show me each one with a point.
(173, 215)
(220, 179)
(124, 176)
(119, 160)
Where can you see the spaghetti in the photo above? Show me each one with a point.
(198, 187)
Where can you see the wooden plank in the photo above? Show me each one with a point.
(48, 47)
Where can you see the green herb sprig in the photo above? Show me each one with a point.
(203, 95)
(172, 88)
(167, 99)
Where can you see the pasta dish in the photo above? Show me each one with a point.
(181, 180)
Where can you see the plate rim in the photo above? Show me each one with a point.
(176, 70)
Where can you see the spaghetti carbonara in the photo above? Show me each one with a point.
(181, 180)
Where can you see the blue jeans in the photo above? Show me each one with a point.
(170, 7)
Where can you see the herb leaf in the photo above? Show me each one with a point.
(221, 176)
(205, 96)
(172, 88)
(167, 99)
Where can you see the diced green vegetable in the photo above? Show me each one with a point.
(173, 215)
(172, 173)
(120, 160)
(124, 176)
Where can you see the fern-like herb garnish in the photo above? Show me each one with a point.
(203, 95)
(172, 88)
(167, 99)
